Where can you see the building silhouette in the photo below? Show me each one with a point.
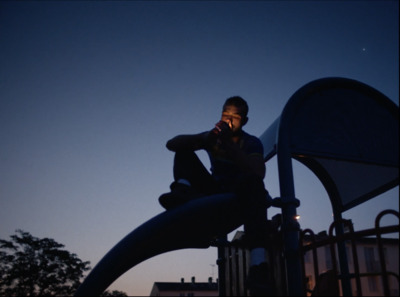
(183, 288)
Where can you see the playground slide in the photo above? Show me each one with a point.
(195, 224)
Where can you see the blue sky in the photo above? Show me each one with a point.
(91, 91)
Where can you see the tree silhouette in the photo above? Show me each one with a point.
(30, 266)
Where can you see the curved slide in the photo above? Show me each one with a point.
(195, 224)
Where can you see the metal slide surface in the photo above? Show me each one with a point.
(195, 224)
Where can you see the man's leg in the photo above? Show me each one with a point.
(255, 200)
(192, 180)
(189, 169)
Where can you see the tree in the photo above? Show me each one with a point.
(30, 266)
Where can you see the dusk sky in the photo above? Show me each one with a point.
(90, 92)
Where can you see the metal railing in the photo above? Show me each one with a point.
(352, 239)
(319, 277)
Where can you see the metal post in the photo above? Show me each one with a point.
(290, 226)
(343, 260)
(221, 243)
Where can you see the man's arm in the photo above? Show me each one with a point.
(190, 142)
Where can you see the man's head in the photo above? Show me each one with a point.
(234, 112)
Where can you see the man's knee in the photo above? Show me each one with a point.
(184, 164)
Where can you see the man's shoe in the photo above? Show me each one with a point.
(180, 194)
(258, 281)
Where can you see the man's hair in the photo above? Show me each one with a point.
(239, 102)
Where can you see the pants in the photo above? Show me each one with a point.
(250, 189)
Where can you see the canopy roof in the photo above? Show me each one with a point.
(346, 132)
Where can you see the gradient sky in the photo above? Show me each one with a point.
(91, 91)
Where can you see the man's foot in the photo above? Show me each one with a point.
(180, 194)
(258, 281)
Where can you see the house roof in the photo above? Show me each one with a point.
(168, 286)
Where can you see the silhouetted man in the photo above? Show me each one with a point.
(237, 165)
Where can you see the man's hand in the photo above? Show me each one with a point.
(223, 130)
(220, 132)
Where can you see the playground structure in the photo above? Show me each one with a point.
(345, 132)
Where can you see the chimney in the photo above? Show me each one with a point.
(182, 280)
(210, 280)
(193, 279)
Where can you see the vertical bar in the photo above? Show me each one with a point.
(247, 267)
(241, 270)
(221, 265)
(385, 279)
(290, 227)
(344, 263)
(234, 268)
(228, 271)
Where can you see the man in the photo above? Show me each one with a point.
(237, 165)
